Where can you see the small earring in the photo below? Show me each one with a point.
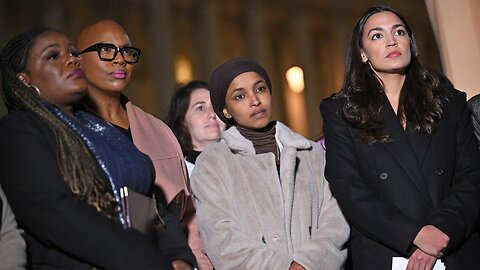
(36, 89)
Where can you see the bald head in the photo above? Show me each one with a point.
(103, 76)
(99, 32)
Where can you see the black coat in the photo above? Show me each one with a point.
(389, 191)
(62, 231)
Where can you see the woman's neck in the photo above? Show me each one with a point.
(393, 84)
(109, 108)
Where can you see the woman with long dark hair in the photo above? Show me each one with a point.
(402, 160)
(60, 168)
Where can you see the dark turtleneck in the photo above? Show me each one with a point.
(263, 139)
(191, 156)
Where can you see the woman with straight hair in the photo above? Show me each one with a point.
(402, 159)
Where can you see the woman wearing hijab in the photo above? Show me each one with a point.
(261, 197)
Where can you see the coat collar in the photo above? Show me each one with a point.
(285, 135)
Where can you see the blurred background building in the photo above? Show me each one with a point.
(183, 40)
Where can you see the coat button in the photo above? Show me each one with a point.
(275, 238)
(439, 171)
(384, 176)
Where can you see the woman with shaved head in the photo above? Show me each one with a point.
(108, 60)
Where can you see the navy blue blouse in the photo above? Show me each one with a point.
(119, 159)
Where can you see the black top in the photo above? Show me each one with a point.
(126, 131)
(191, 156)
(61, 230)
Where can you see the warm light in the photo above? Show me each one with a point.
(295, 79)
(183, 70)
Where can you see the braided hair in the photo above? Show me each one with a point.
(75, 161)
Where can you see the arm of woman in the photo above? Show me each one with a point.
(327, 244)
(378, 220)
(227, 246)
(12, 245)
(196, 244)
(46, 208)
(474, 105)
(458, 213)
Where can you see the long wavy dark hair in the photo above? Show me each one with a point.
(178, 109)
(75, 161)
(422, 96)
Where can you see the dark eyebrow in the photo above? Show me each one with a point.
(199, 102)
(254, 84)
(398, 25)
(374, 29)
(237, 90)
(380, 28)
(49, 46)
(259, 81)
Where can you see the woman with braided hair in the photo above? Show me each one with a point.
(59, 169)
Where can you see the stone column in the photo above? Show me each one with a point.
(161, 56)
(210, 38)
(456, 27)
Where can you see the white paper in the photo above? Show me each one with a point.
(400, 263)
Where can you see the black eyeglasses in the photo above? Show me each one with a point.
(108, 52)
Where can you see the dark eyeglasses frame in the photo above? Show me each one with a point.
(96, 48)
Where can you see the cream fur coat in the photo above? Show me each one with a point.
(252, 218)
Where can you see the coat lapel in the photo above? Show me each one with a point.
(402, 150)
(420, 143)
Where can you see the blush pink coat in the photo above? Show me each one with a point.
(154, 138)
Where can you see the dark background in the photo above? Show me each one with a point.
(312, 34)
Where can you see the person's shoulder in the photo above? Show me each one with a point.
(332, 106)
(474, 102)
(21, 119)
(332, 102)
(459, 98)
(288, 137)
(141, 115)
(458, 94)
(215, 149)
(24, 123)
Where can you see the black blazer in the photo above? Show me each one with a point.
(389, 191)
(62, 231)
